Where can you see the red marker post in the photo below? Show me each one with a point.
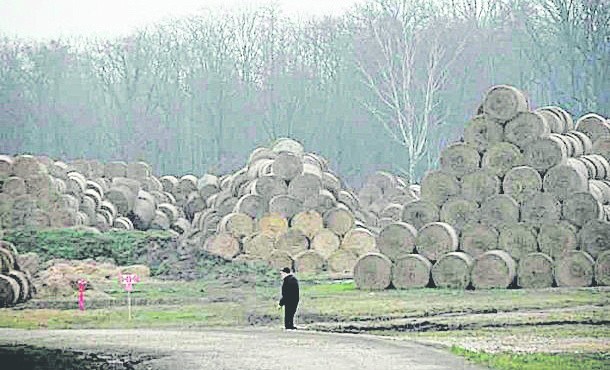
(128, 281)
(82, 284)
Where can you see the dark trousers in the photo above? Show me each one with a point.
(289, 311)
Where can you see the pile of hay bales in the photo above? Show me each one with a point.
(16, 285)
(523, 200)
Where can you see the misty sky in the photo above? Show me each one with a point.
(43, 19)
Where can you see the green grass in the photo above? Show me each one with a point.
(536, 361)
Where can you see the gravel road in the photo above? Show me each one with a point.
(245, 348)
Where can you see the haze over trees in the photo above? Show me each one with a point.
(385, 86)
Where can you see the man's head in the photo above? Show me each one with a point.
(285, 272)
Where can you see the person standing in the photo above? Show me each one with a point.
(290, 297)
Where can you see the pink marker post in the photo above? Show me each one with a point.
(82, 284)
(128, 281)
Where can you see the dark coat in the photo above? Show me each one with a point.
(290, 291)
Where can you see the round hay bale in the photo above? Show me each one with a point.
(208, 185)
(29, 263)
(59, 170)
(574, 269)
(522, 182)
(312, 170)
(64, 218)
(159, 222)
(308, 222)
(143, 211)
(251, 204)
(339, 220)
(349, 199)
(459, 159)
(452, 271)
(285, 205)
(342, 261)
(602, 269)
(575, 144)
(373, 271)
(75, 185)
(41, 186)
(479, 185)
(493, 269)
(181, 226)
(565, 179)
(138, 170)
(518, 240)
(292, 241)
(402, 196)
(482, 132)
(97, 199)
(501, 158)
(325, 242)
(554, 119)
(169, 183)
(567, 118)
(581, 207)
(360, 241)
(331, 183)
(305, 187)
(14, 186)
(225, 202)
(237, 224)
(194, 203)
(259, 245)
(541, 208)
(67, 201)
(309, 262)
(25, 291)
(108, 206)
(287, 166)
(416, 189)
(27, 165)
(123, 223)
(525, 128)
(284, 144)
(151, 184)
(568, 143)
(396, 240)
(586, 143)
(261, 153)
(81, 166)
(601, 164)
(557, 238)
(420, 212)
(459, 212)
(477, 239)
(597, 192)
(273, 225)
(368, 194)
(499, 209)
(393, 211)
(170, 211)
(593, 125)
(438, 186)
(92, 185)
(115, 169)
(326, 201)
(544, 153)
(223, 245)
(7, 260)
(9, 291)
(122, 198)
(503, 102)
(535, 271)
(436, 239)
(6, 165)
(280, 259)
(601, 146)
(60, 185)
(269, 186)
(411, 271)
(594, 237)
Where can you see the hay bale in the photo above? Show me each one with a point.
(522, 182)
(554, 239)
(14, 186)
(565, 179)
(122, 198)
(392, 211)
(6, 165)
(279, 259)
(170, 211)
(569, 143)
(499, 209)
(75, 184)
(81, 166)
(208, 185)
(373, 271)
(9, 291)
(269, 186)
(349, 199)
(273, 225)
(411, 271)
(342, 261)
(223, 245)
(525, 128)
(325, 202)
(567, 118)
(159, 222)
(181, 226)
(287, 166)
(29, 262)
(339, 220)
(477, 239)
(452, 271)
(143, 211)
(438, 186)
(59, 186)
(402, 196)
(138, 170)
(58, 169)
(261, 153)
(308, 222)
(27, 165)
(481, 132)
(360, 241)
(284, 144)
(459, 212)
(601, 165)
(544, 153)
(169, 183)
(593, 125)
(535, 271)
(259, 245)
(251, 204)
(7, 260)
(459, 159)
(479, 185)
(585, 142)
(594, 237)
(325, 242)
(331, 183)
(602, 269)
(420, 212)
(285, 205)
(581, 207)
(292, 241)
(396, 240)
(553, 118)
(574, 269)
(309, 262)
(503, 102)
(123, 223)
(436, 239)
(493, 269)
(305, 187)
(541, 208)
(237, 224)
(601, 146)
(25, 288)
(115, 169)
(501, 158)
(368, 194)
(518, 240)
(151, 184)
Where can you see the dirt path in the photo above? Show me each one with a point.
(247, 348)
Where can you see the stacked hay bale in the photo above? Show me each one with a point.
(285, 207)
(16, 285)
(523, 200)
